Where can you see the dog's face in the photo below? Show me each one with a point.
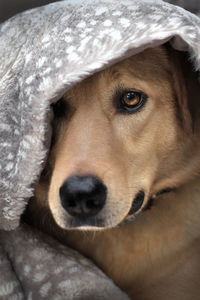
(117, 141)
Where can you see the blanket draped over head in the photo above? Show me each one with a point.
(43, 52)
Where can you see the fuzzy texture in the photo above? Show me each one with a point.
(43, 52)
(49, 270)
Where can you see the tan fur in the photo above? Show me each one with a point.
(157, 256)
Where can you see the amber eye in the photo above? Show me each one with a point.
(131, 101)
(59, 108)
(131, 98)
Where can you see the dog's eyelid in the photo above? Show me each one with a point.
(122, 90)
(121, 107)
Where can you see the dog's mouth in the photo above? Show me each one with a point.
(135, 210)
(87, 223)
(137, 203)
(97, 222)
(83, 216)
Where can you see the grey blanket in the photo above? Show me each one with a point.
(43, 52)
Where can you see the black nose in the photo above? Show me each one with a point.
(83, 196)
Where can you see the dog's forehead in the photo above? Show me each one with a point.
(150, 65)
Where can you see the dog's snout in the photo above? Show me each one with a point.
(83, 196)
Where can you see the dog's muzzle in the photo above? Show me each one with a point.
(84, 197)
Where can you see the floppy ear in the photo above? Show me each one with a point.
(192, 86)
(179, 74)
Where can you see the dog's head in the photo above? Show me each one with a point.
(120, 136)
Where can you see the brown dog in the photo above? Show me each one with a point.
(119, 138)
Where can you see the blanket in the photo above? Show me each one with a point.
(43, 52)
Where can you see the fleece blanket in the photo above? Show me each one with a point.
(43, 52)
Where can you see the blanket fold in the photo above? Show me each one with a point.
(35, 266)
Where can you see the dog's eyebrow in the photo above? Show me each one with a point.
(114, 74)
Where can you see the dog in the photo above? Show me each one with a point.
(121, 138)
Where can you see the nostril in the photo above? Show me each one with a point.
(83, 195)
(93, 203)
(71, 203)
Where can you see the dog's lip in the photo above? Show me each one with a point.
(136, 209)
(89, 228)
(137, 202)
(83, 223)
(130, 218)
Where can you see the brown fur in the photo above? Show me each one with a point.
(157, 256)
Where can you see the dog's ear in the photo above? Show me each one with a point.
(180, 90)
(186, 86)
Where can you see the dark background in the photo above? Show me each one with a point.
(192, 5)
(9, 8)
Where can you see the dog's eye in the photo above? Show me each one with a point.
(59, 108)
(131, 101)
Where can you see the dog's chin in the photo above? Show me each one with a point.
(87, 223)
(99, 224)
(74, 223)
(94, 224)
